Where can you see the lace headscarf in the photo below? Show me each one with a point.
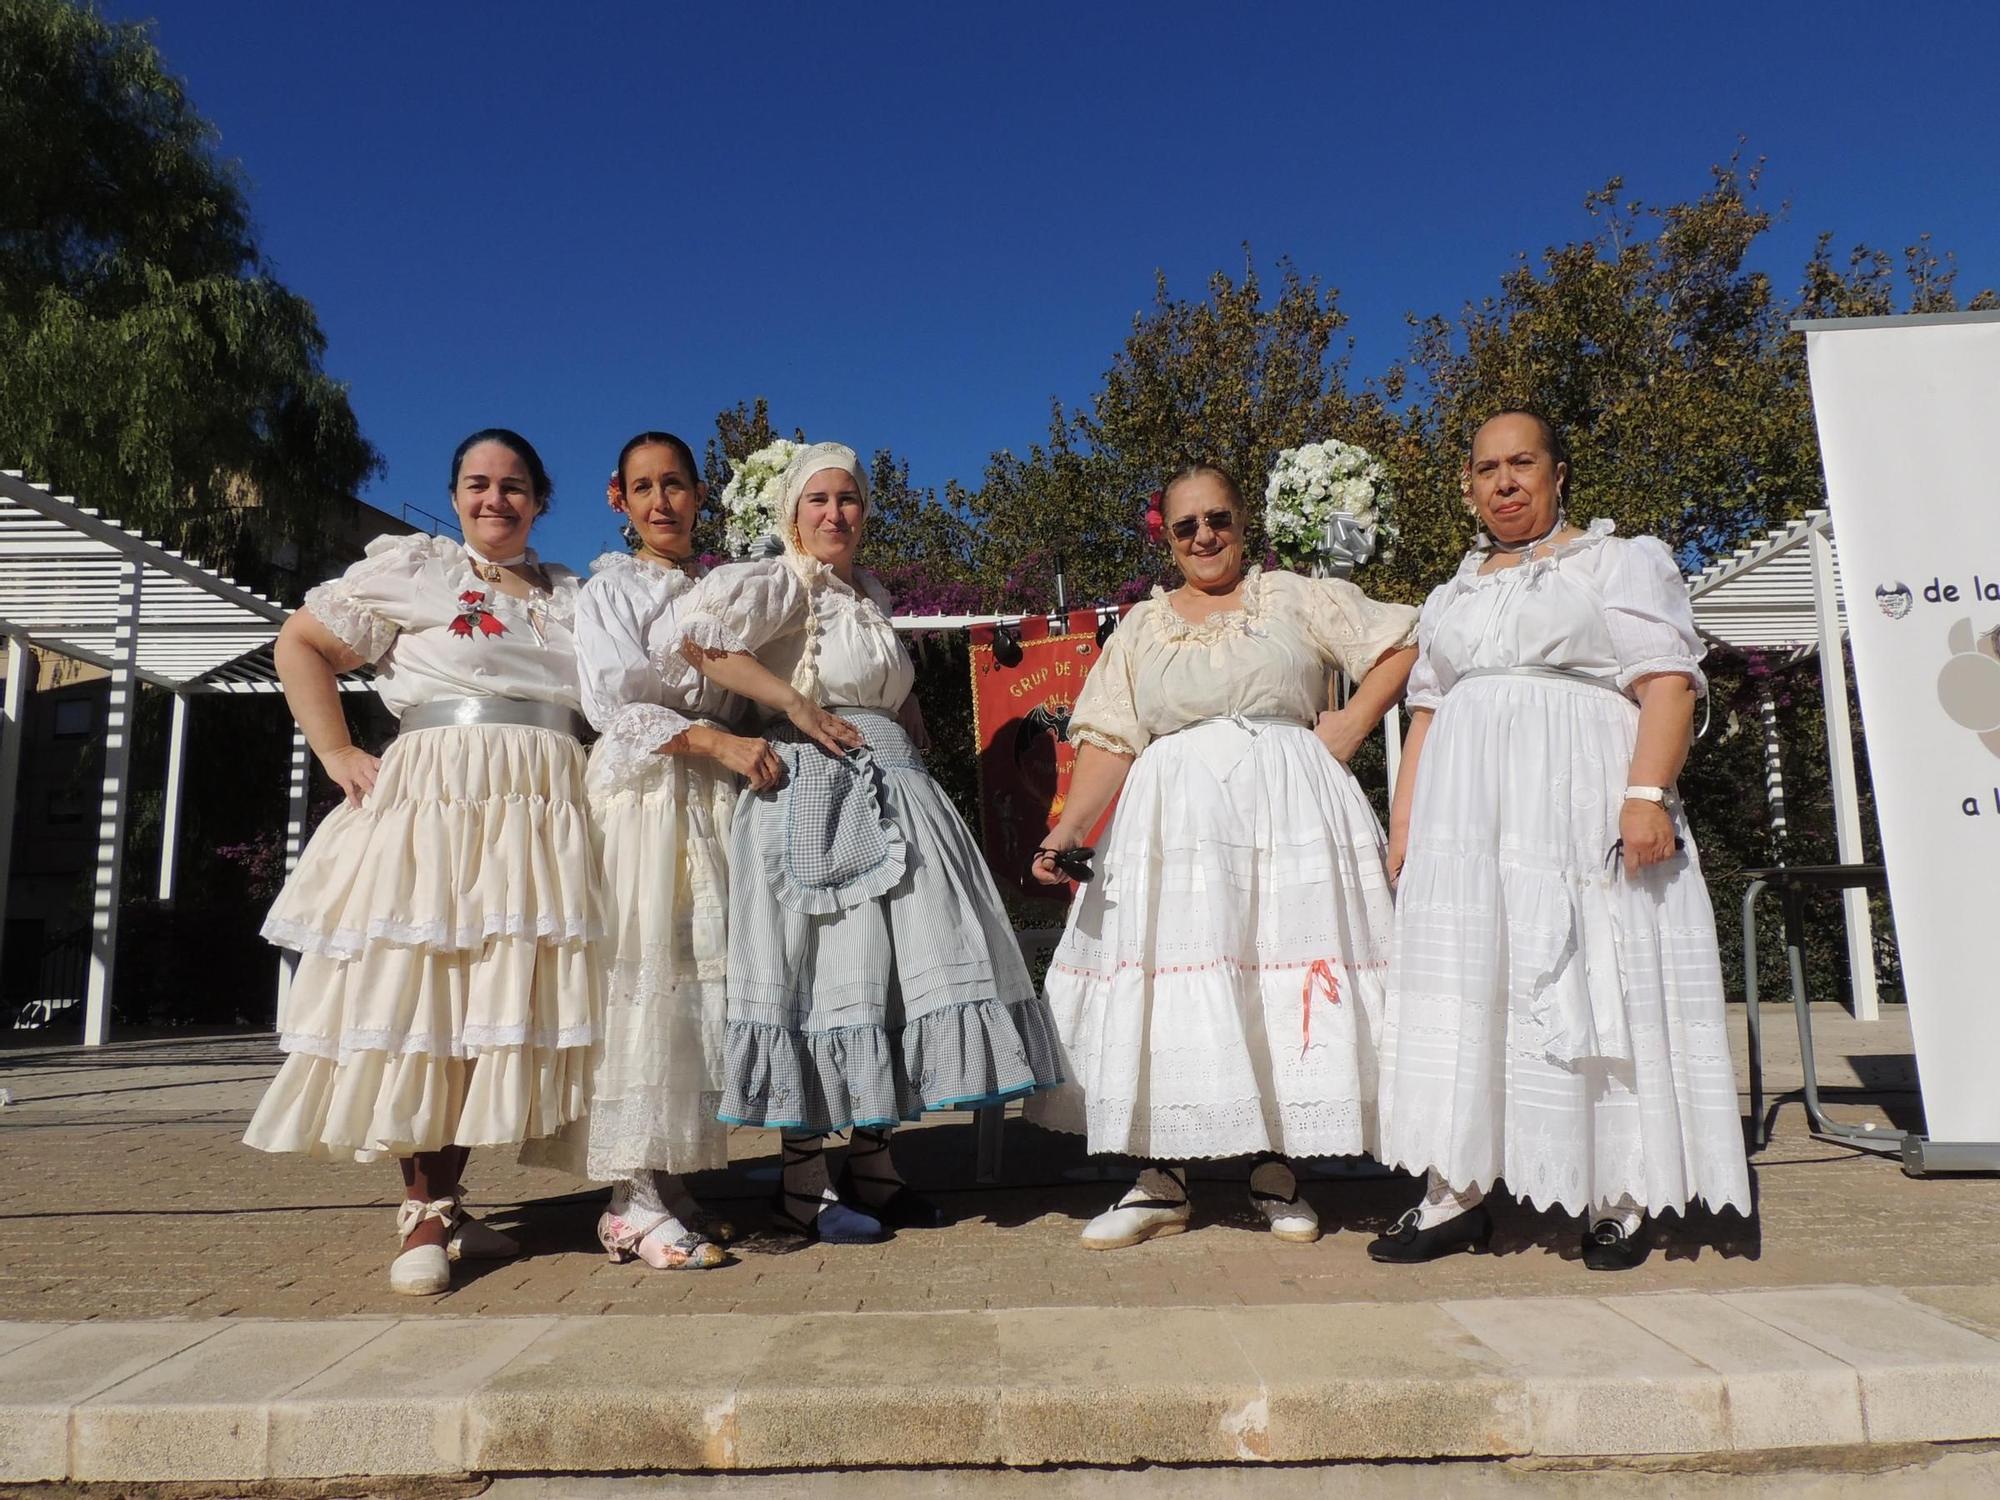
(808, 461)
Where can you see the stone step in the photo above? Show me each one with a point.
(1566, 1377)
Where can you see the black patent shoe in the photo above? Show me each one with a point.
(1407, 1245)
(1607, 1247)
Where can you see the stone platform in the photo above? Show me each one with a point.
(1675, 1373)
(180, 1308)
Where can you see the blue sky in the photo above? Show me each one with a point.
(913, 225)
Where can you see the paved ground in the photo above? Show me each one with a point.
(1848, 1334)
(125, 1193)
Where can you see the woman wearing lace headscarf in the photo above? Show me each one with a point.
(873, 973)
(1219, 985)
(1556, 1006)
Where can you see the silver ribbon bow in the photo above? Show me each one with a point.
(1346, 545)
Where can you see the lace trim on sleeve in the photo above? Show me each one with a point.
(684, 684)
(364, 632)
(1682, 666)
(1103, 741)
(707, 636)
(631, 745)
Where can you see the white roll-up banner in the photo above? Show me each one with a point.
(1909, 426)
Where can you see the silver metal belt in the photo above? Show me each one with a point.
(1554, 674)
(447, 713)
(1252, 724)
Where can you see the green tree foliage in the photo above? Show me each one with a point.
(739, 432)
(149, 360)
(1229, 378)
(1663, 352)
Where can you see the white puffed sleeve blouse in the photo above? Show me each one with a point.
(764, 608)
(639, 690)
(1269, 659)
(1604, 606)
(435, 629)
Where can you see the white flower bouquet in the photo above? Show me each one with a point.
(750, 499)
(1327, 506)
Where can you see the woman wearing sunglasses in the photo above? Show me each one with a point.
(1220, 983)
(1556, 1001)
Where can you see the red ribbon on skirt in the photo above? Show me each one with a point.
(1320, 973)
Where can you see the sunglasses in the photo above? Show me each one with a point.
(1075, 863)
(1219, 522)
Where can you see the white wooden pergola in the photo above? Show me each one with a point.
(79, 584)
(1783, 593)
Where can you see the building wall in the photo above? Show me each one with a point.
(55, 820)
(57, 794)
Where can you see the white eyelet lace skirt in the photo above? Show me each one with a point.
(1219, 987)
(657, 1064)
(1551, 1022)
(447, 985)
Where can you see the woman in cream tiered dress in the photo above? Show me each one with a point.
(1219, 985)
(446, 989)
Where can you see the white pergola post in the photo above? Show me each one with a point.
(296, 788)
(1774, 770)
(170, 817)
(20, 662)
(112, 805)
(1840, 756)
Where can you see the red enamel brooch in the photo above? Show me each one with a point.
(473, 615)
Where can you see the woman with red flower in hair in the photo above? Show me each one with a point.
(1219, 987)
(444, 916)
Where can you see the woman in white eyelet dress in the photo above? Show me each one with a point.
(444, 915)
(663, 783)
(1556, 1016)
(1219, 983)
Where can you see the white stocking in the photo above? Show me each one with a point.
(1443, 1203)
(1625, 1213)
(1161, 1182)
(640, 1202)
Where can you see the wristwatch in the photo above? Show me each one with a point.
(1646, 794)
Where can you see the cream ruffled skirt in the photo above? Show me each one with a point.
(658, 1060)
(447, 987)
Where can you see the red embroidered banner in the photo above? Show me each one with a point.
(1021, 718)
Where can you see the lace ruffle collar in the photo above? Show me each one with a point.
(563, 583)
(632, 565)
(1593, 534)
(1172, 628)
(820, 578)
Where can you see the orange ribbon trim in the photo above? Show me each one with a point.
(1320, 973)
